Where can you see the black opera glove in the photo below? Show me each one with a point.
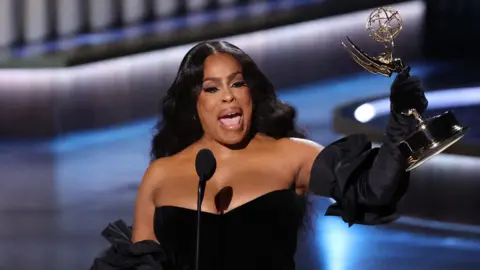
(365, 182)
(407, 93)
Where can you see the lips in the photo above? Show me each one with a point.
(231, 118)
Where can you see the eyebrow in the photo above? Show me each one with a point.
(219, 79)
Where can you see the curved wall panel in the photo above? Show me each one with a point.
(49, 102)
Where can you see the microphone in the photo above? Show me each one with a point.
(205, 164)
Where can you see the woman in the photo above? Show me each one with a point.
(252, 207)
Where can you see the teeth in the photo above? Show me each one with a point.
(231, 115)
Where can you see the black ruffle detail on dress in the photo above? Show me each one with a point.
(124, 255)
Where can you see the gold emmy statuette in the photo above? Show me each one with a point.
(432, 135)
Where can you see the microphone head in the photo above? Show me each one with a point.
(205, 164)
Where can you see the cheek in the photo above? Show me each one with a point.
(205, 106)
(243, 96)
(246, 99)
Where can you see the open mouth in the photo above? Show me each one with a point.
(231, 118)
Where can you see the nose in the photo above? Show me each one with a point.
(228, 96)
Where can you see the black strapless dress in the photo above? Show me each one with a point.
(262, 234)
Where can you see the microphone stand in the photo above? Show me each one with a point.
(201, 191)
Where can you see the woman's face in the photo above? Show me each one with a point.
(224, 105)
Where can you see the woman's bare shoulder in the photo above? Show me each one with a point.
(302, 153)
(300, 146)
(155, 176)
(164, 169)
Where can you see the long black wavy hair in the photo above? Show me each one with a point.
(179, 127)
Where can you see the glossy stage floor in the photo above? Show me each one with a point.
(96, 175)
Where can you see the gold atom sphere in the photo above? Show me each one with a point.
(384, 24)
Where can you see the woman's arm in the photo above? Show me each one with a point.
(135, 248)
(144, 204)
(366, 182)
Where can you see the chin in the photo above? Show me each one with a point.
(233, 140)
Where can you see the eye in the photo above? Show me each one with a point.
(240, 84)
(210, 89)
